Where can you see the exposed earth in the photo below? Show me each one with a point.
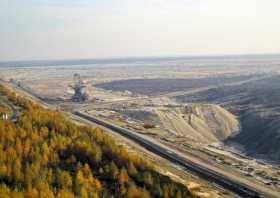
(224, 110)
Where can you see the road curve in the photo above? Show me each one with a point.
(205, 173)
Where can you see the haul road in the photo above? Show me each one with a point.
(205, 173)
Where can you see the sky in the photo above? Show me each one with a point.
(76, 29)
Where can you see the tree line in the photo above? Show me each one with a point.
(43, 154)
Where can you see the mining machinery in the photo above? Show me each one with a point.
(79, 94)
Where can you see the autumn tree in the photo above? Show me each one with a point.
(43, 154)
(123, 176)
(64, 180)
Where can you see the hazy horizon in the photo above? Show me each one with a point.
(51, 30)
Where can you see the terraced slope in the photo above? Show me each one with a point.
(257, 104)
(152, 87)
(201, 123)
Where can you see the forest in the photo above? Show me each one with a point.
(44, 154)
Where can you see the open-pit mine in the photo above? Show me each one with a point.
(222, 112)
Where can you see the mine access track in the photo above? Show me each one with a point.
(205, 173)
